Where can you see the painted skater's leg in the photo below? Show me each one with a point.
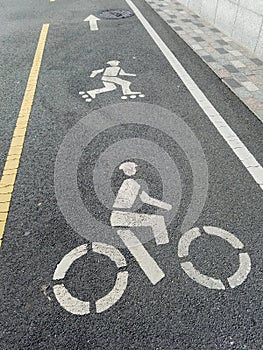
(125, 85)
(107, 87)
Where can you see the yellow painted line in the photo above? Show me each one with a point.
(8, 179)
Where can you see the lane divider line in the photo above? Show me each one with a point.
(8, 179)
(237, 146)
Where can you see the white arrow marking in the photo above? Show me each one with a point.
(92, 22)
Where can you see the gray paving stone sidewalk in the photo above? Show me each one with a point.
(238, 68)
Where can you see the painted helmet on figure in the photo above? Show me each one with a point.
(129, 168)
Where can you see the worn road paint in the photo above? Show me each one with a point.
(185, 241)
(92, 22)
(7, 181)
(115, 294)
(70, 303)
(80, 307)
(143, 258)
(195, 275)
(244, 260)
(111, 252)
(147, 264)
(111, 79)
(68, 260)
(241, 274)
(227, 236)
(123, 215)
(246, 158)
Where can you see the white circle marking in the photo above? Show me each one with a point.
(80, 307)
(244, 260)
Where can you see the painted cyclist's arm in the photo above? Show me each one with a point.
(95, 72)
(145, 198)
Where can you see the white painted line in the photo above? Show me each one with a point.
(115, 294)
(185, 241)
(111, 252)
(68, 260)
(256, 171)
(206, 281)
(143, 258)
(227, 236)
(241, 274)
(69, 303)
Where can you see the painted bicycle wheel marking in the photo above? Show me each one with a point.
(212, 283)
(80, 307)
(148, 265)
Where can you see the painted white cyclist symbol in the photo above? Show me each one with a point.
(123, 218)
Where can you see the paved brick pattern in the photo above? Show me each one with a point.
(239, 69)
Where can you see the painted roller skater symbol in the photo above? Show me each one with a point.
(110, 79)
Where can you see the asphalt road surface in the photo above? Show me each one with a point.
(86, 261)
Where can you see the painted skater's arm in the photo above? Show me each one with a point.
(95, 72)
(127, 74)
(154, 202)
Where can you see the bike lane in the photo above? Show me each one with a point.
(177, 312)
(20, 25)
